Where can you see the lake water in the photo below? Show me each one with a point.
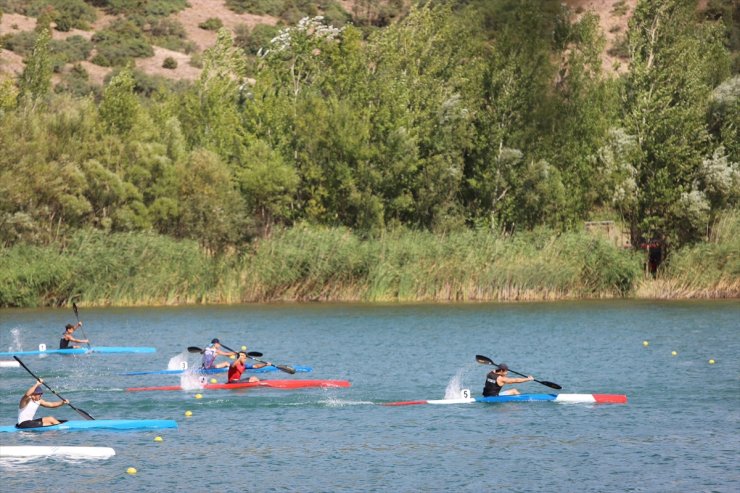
(679, 431)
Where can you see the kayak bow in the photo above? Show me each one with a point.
(101, 424)
(568, 398)
(43, 451)
(275, 384)
(96, 349)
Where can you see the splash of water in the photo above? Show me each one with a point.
(16, 345)
(454, 386)
(179, 362)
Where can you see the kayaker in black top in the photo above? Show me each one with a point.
(496, 380)
(67, 337)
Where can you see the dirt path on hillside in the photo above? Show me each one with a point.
(192, 16)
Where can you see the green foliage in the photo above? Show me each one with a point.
(211, 24)
(103, 269)
(118, 43)
(120, 108)
(673, 64)
(169, 63)
(256, 39)
(35, 81)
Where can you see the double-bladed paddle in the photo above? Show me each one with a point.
(77, 315)
(196, 349)
(483, 360)
(286, 369)
(82, 413)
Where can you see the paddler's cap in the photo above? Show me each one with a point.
(215, 341)
(38, 391)
(503, 366)
(69, 326)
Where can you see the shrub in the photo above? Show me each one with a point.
(211, 24)
(169, 63)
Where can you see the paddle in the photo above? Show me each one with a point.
(196, 349)
(286, 369)
(82, 413)
(77, 315)
(483, 360)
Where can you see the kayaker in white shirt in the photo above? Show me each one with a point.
(210, 353)
(30, 403)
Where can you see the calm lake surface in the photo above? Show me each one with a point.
(679, 431)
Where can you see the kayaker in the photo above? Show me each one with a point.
(237, 368)
(210, 353)
(30, 403)
(496, 379)
(68, 337)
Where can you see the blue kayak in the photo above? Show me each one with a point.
(101, 424)
(94, 349)
(210, 371)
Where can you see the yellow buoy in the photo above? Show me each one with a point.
(188, 413)
(645, 343)
(131, 470)
(198, 396)
(673, 353)
(157, 439)
(213, 380)
(711, 361)
(244, 348)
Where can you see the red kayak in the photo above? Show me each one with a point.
(276, 384)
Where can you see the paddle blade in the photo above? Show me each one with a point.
(82, 413)
(255, 354)
(550, 384)
(74, 309)
(193, 349)
(483, 360)
(286, 369)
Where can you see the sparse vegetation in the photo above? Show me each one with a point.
(169, 63)
(211, 24)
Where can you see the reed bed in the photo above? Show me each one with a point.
(311, 263)
(706, 270)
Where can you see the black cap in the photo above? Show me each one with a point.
(503, 366)
(214, 341)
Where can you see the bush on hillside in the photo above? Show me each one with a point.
(118, 43)
(211, 24)
(169, 63)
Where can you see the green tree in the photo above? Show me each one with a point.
(120, 107)
(35, 81)
(666, 95)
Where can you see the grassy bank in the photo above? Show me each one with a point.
(333, 264)
(706, 270)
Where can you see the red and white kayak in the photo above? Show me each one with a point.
(567, 398)
(276, 384)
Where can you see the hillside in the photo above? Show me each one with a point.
(613, 16)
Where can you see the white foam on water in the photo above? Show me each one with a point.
(192, 380)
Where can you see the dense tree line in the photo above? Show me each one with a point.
(465, 114)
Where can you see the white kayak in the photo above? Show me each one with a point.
(9, 364)
(47, 451)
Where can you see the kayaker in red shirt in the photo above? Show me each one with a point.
(239, 365)
(496, 380)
